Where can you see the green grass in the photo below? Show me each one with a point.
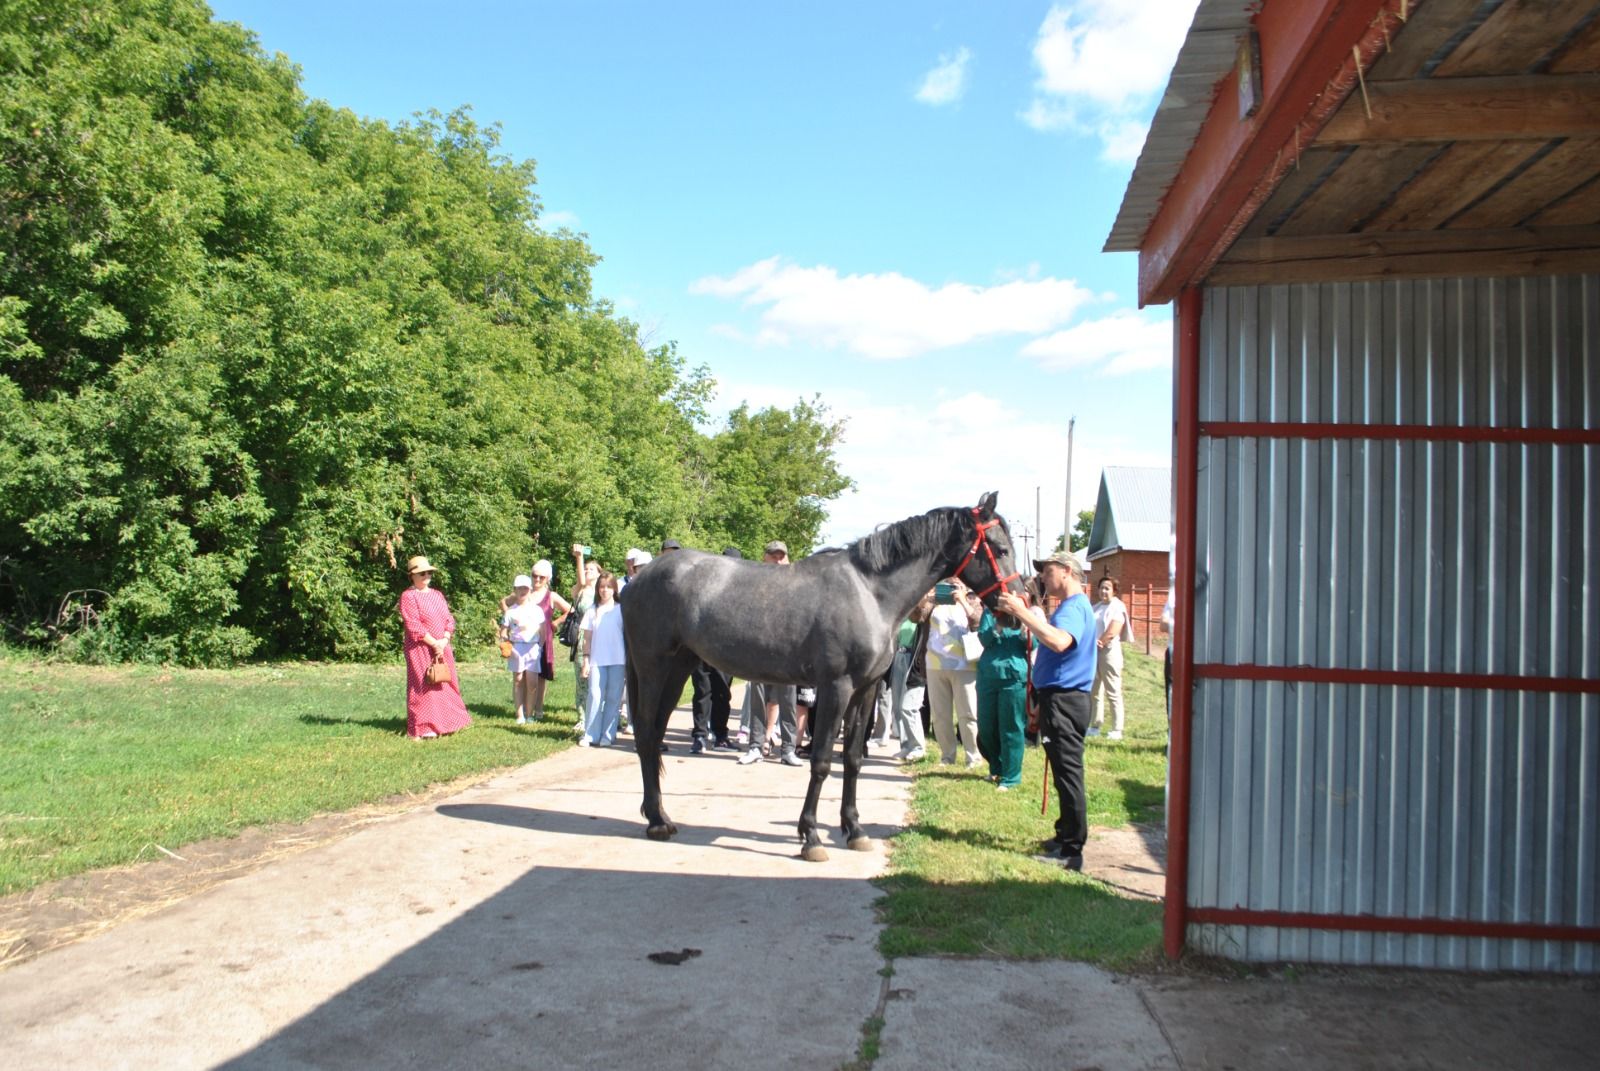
(962, 879)
(102, 764)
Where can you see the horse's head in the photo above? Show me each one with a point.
(989, 566)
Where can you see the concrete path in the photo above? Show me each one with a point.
(527, 922)
(509, 927)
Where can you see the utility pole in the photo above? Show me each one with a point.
(1066, 525)
(1038, 522)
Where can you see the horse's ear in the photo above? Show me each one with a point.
(986, 503)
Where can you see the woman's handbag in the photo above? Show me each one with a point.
(439, 671)
(569, 630)
(505, 648)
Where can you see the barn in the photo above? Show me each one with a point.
(1379, 224)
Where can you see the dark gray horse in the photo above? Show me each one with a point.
(826, 621)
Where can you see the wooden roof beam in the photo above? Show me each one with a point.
(1469, 109)
(1307, 67)
(1410, 254)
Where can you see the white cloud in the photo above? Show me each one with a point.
(1123, 342)
(946, 82)
(890, 316)
(1101, 65)
(555, 221)
(973, 443)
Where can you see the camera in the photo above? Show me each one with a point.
(944, 593)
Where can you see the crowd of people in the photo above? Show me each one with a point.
(1041, 667)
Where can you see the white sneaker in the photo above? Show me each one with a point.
(521, 720)
(583, 741)
(753, 755)
(1114, 734)
(916, 754)
(974, 764)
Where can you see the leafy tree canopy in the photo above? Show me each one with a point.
(256, 351)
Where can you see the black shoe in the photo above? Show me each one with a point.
(804, 751)
(697, 747)
(1051, 848)
(665, 748)
(1072, 862)
(725, 744)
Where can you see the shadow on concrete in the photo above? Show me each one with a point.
(555, 971)
(571, 823)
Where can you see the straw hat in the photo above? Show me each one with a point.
(420, 564)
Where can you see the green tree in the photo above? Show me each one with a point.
(771, 473)
(255, 351)
(1081, 530)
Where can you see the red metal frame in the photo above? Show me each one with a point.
(1186, 472)
(1308, 67)
(1246, 429)
(1395, 678)
(1300, 920)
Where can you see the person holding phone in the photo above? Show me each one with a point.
(953, 650)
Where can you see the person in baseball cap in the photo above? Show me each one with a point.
(1064, 558)
(777, 550)
(1063, 673)
(670, 544)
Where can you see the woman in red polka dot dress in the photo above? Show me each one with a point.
(431, 709)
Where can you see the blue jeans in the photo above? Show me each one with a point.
(605, 703)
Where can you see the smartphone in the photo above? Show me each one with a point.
(944, 593)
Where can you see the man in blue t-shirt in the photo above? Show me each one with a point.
(1063, 672)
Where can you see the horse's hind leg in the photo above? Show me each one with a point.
(830, 702)
(652, 696)
(855, 746)
(641, 686)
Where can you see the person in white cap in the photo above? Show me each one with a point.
(552, 608)
(632, 562)
(520, 625)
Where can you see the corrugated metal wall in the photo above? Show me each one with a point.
(1441, 557)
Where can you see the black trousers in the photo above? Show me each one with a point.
(712, 701)
(1063, 719)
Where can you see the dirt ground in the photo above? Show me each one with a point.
(60, 912)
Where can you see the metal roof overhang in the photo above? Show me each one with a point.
(1393, 139)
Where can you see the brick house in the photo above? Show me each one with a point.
(1130, 538)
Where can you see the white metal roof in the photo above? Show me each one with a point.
(1133, 510)
(1207, 56)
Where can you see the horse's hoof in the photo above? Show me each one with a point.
(660, 832)
(814, 853)
(862, 843)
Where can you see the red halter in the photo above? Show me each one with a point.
(982, 540)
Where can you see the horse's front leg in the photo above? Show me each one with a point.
(831, 699)
(856, 721)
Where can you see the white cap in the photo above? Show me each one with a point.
(642, 558)
(541, 568)
(523, 580)
(632, 555)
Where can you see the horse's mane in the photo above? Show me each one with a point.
(893, 543)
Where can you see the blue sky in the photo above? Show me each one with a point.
(896, 206)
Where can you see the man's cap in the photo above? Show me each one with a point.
(670, 544)
(777, 546)
(1062, 557)
(632, 555)
(732, 552)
